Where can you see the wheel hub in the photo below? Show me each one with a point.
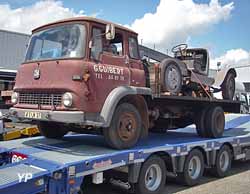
(127, 127)
(153, 177)
(224, 161)
(194, 167)
(172, 78)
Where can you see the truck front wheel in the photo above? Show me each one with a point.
(51, 129)
(125, 128)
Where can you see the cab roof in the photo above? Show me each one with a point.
(87, 19)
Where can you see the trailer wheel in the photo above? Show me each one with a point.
(51, 130)
(215, 122)
(193, 168)
(223, 162)
(125, 128)
(172, 78)
(228, 87)
(200, 123)
(152, 177)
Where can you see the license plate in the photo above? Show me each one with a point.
(33, 115)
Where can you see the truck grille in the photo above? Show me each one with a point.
(40, 98)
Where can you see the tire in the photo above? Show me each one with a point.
(215, 122)
(152, 177)
(51, 130)
(192, 174)
(125, 128)
(223, 162)
(200, 123)
(172, 78)
(228, 87)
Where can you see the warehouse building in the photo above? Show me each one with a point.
(12, 49)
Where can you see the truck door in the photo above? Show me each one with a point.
(110, 69)
(137, 77)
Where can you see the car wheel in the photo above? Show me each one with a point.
(228, 87)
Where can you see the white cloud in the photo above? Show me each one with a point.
(176, 20)
(24, 19)
(237, 58)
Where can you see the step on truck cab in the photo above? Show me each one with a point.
(86, 75)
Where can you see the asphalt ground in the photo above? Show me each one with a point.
(237, 182)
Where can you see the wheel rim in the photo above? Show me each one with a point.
(153, 177)
(127, 126)
(224, 161)
(194, 167)
(173, 77)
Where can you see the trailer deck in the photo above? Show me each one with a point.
(61, 165)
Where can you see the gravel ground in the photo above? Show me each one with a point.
(238, 182)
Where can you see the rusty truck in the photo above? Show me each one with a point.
(86, 75)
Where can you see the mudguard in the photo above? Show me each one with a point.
(221, 75)
(114, 98)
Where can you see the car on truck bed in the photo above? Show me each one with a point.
(86, 75)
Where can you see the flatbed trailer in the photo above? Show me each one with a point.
(40, 165)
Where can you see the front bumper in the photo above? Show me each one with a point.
(70, 117)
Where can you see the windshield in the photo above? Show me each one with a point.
(67, 41)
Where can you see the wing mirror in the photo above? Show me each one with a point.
(110, 31)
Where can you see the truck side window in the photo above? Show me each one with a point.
(97, 46)
(114, 46)
(133, 48)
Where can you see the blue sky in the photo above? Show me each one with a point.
(234, 33)
(230, 34)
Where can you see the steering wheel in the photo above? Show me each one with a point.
(179, 48)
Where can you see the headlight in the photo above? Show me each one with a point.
(14, 97)
(67, 99)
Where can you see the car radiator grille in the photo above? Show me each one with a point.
(40, 99)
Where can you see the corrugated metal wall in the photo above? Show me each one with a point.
(12, 49)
